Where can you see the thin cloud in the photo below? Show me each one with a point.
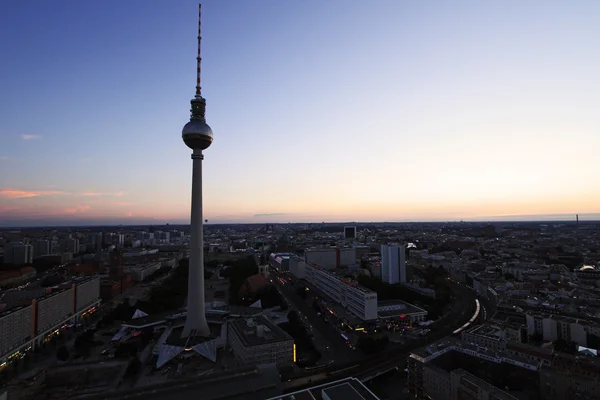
(76, 209)
(269, 215)
(30, 137)
(120, 203)
(4, 158)
(23, 194)
(99, 194)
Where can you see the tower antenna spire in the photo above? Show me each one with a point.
(199, 58)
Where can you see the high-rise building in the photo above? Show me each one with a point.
(393, 264)
(97, 241)
(198, 136)
(350, 232)
(41, 248)
(18, 253)
(69, 246)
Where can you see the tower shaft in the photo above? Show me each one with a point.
(195, 322)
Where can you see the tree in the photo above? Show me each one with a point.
(62, 353)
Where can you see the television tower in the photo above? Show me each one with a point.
(197, 135)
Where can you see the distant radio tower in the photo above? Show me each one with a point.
(197, 135)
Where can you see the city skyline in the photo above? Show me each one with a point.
(471, 112)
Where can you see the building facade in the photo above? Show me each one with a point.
(27, 327)
(393, 264)
(258, 341)
(357, 299)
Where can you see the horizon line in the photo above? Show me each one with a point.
(490, 219)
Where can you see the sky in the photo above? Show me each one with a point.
(322, 110)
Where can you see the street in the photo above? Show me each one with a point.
(327, 340)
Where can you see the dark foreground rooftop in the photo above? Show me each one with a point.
(344, 389)
(253, 383)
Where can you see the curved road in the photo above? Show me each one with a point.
(394, 355)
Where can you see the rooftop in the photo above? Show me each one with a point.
(396, 308)
(252, 383)
(480, 383)
(257, 331)
(345, 389)
(441, 347)
(352, 284)
(492, 332)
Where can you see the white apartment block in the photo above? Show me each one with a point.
(357, 299)
(54, 308)
(26, 327)
(554, 327)
(15, 328)
(88, 293)
(393, 264)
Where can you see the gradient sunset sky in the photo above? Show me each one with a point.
(322, 110)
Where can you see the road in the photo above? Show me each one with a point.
(328, 341)
(395, 356)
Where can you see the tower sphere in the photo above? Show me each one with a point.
(197, 135)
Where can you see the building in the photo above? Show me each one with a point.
(15, 329)
(139, 272)
(588, 275)
(553, 327)
(486, 336)
(298, 267)
(41, 248)
(280, 261)
(357, 299)
(331, 257)
(570, 377)
(258, 341)
(18, 253)
(87, 292)
(344, 389)
(69, 245)
(29, 327)
(398, 309)
(350, 232)
(393, 264)
(464, 385)
(431, 369)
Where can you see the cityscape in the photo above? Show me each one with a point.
(333, 270)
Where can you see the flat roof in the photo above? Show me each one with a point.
(438, 348)
(248, 333)
(252, 383)
(352, 284)
(493, 390)
(395, 308)
(343, 389)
